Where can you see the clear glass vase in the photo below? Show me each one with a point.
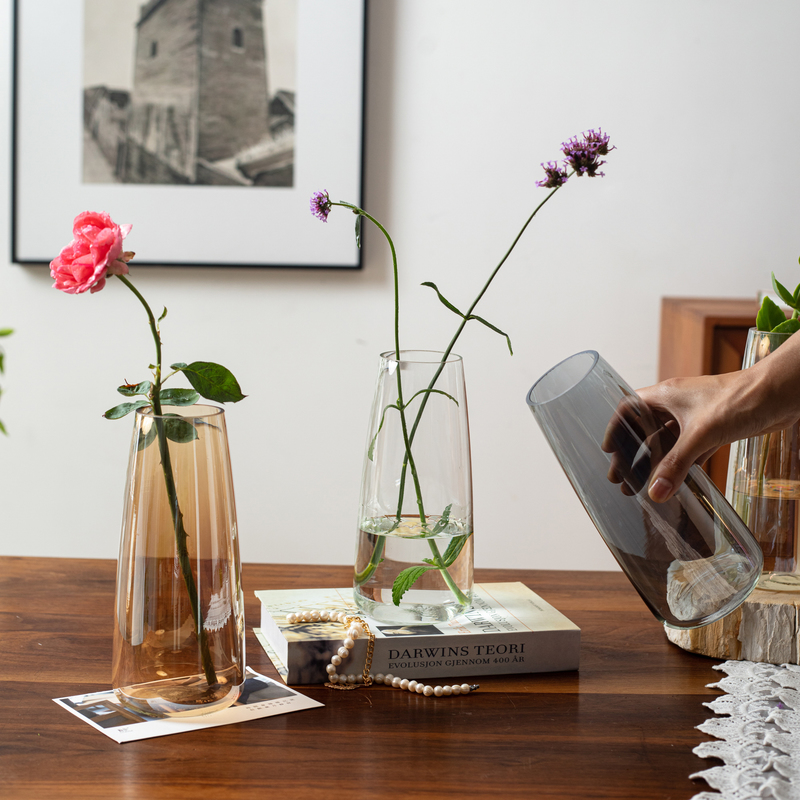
(764, 485)
(414, 529)
(179, 621)
(691, 559)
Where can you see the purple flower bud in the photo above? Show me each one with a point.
(582, 153)
(556, 176)
(321, 205)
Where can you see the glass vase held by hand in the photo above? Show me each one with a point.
(691, 559)
(179, 618)
(764, 485)
(414, 556)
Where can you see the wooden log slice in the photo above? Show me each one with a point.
(766, 627)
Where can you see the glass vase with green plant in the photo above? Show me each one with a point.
(582, 155)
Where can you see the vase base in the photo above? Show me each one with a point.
(179, 697)
(780, 582)
(416, 607)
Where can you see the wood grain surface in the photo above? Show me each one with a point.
(621, 727)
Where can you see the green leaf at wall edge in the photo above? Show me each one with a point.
(123, 409)
(769, 316)
(178, 397)
(212, 381)
(782, 292)
(6, 331)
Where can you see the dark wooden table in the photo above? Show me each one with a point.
(622, 727)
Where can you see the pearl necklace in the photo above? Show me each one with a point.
(357, 628)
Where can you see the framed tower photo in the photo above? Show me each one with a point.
(206, 123)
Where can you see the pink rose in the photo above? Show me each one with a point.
(94, 253)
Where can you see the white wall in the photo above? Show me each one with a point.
(465, 99)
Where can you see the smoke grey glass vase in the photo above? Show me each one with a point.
(691, 559)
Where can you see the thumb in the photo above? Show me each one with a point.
(672, 471)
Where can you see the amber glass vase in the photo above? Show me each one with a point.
(764, 485)
(179, 621)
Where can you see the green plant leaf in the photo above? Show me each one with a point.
(494, 328)
(406, 579)
(441, 524)
(212, 381)
(445, 301)
(131, 390)
(787, 326)
(179, 430)
(769, 316)
(371, 450)
(454, 549)
(6, 331)
(430, 391)
(2, 366)
(782, 292)
(178, 397)
(796, 296)
(144, 441)
(123, 409)
(358, 231)
(163, 314)
(3, 429)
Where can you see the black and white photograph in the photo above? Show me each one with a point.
(221, 116)
(206, 94)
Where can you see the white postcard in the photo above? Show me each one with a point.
(260, 697)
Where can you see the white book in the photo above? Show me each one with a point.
(508, 629)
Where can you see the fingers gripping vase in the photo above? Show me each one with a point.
(691, 559)
(764, 485)
(179, 618)
(414, 555)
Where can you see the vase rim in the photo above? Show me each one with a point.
(551, 387)
(755, 332)
(421, 356)
(196, 411)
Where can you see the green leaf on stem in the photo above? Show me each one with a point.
(178, 397)
(163, 314)
(769, 316)
(406, 579)
(212, 381)
(444, 300)
(454, 549)
(6, 331)
(371, 450)
(144, 441)
(441, 523)
(797, 297)
(132, 389)
(358, 231)
(123, 409)
(787, 326)
(429, 391)
(782, 292)
(2, 368)
(178, 430)
(3, 429)
(495, 329)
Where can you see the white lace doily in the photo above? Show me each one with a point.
(759, 734)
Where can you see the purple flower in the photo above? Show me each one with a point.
(321, 205)
(556, 176)
(600, 139)
(582, 153)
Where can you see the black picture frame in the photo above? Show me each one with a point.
(189, 224)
